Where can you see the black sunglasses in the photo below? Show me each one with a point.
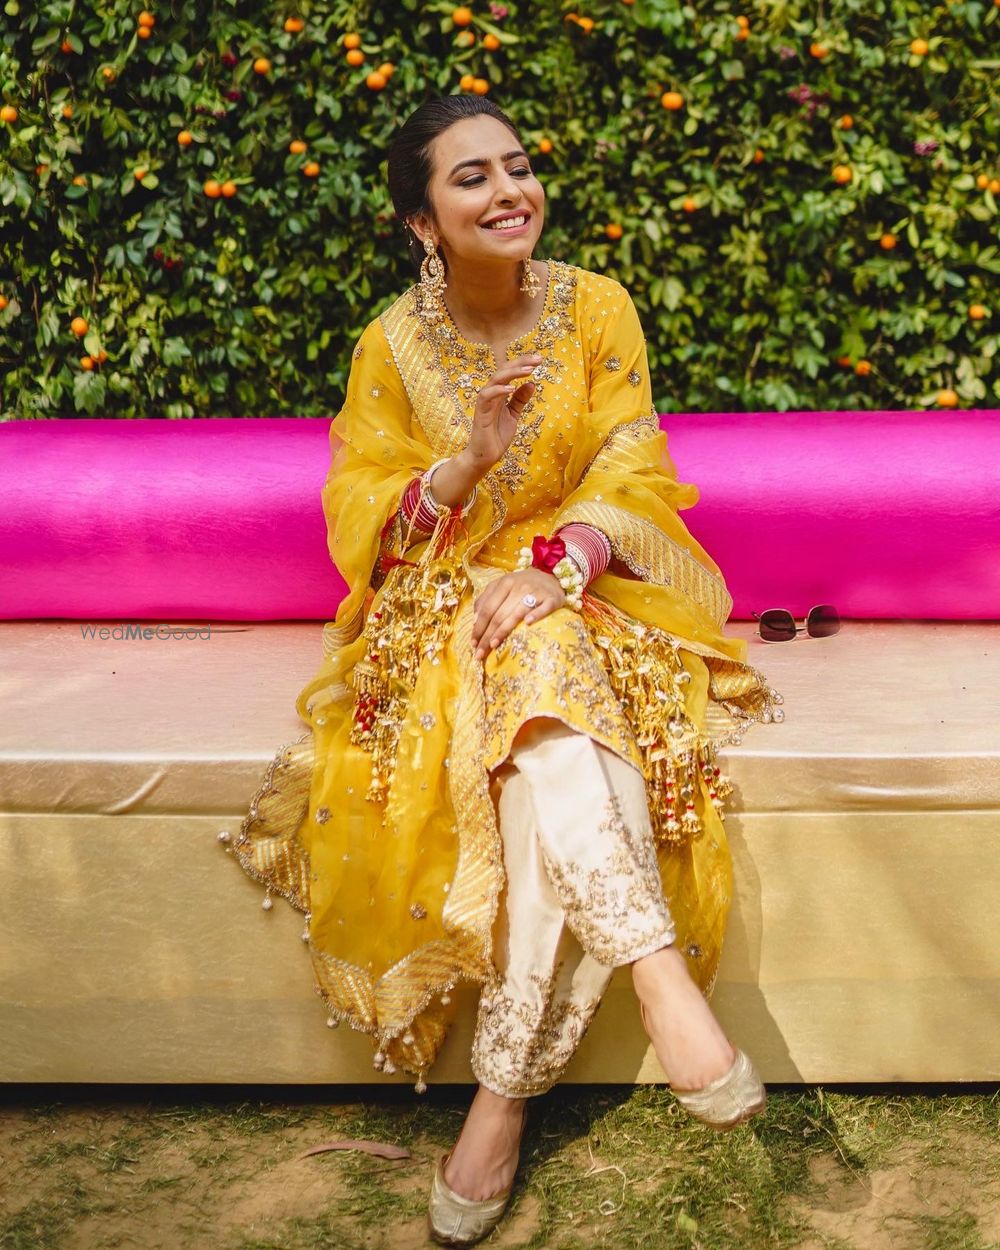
(778, 625)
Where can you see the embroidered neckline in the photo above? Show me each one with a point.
(478, 345)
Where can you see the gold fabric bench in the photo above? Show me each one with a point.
(864, 940)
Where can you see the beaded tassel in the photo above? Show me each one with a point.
(648, 676)
(412, 624)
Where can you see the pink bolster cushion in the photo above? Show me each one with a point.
(884, 514)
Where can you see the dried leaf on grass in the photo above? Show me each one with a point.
(384, 1150)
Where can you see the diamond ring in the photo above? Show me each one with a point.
(529, 601)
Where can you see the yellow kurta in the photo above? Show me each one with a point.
(378, 822)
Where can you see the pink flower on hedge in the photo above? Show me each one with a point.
(234, 95)
(801, 94)
(228, 60)
(924, 147)
(498, 11)
(785, 52)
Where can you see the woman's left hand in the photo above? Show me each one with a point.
(499, 608)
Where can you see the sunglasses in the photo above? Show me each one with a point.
(778, 625)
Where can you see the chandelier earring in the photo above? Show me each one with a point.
(529, 279)
(432, 283)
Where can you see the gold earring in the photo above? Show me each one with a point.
(432, 283)
(529, 279)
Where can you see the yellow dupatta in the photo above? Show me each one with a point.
(395, 853)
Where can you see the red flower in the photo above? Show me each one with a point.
(547, 552)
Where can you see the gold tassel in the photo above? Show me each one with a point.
(648, 675)
(411, 625)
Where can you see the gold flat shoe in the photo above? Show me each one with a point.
(458, 1221)
(728, 1100)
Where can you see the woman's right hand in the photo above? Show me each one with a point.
(498, 409)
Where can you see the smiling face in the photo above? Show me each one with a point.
(480, 173)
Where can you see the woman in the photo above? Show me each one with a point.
(509, 772)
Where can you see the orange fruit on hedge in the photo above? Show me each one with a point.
(102, 356)
(672, 100)
(982, 182)
(8, 113)
(613, 230)
(819, 50)
(87, 363)
(995, 186)
(462, 16)
(586, 24)
(465, 39)
(355, 57)
(185, 138)
(352, 41)
(863, 368)
(491, 42)
(466, 81)
(40, 169)
(387, 68)
(298, 146)
(293, 25)
(66, 47)
(143, 32)
(3, 302)
(842, 173)
(758, 156)
(376, 81)
(742, 32)
(545, 145)
(108, 72)
(146, 18)
(742, 19)
(79, 326)
(310, 169)
(689, 205)
(212, 189)
(844, 362)
(262, 65)
(888, 241)
(919, 47)
(946, 398)
(228, 189)
(977, 311)
(67, 111)
(846, 122)
(480, 85)
(140, 174)
(79, 181)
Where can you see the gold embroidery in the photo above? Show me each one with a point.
(613, 364)
(521, 1049)
(634, 378)
(616, 909)
(539, 671)
(465, 366)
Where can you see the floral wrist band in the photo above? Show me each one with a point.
(549, 555)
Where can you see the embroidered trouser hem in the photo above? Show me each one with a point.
(583, 896)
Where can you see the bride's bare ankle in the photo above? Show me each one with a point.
(484, 1158)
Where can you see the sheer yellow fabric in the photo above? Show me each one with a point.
(378, 823)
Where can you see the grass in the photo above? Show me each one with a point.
(836, 1168)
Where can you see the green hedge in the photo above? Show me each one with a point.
(750, 293)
